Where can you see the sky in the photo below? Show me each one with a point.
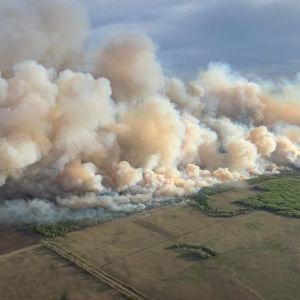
(259, 37)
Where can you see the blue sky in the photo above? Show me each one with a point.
(253, 36)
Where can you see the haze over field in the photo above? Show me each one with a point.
(111, 130)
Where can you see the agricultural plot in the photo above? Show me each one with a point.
(36, 273)
(13, 238)
(257, 254)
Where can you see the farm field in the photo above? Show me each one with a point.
(258, 257)
(36, 272)
(16, 237)
(173, 252)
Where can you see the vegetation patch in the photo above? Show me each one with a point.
(64, 297)
(195, 250)
(219, 188)
(61, 228)
(252, 226)
(267, 177)
(274, 246)
(201, 200)
(278, 193)
(280, 196)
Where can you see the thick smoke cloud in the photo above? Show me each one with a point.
(126, 137)
(130, 64)
(53, 32)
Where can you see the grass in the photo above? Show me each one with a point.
(274, 246)
(280, 196)
(252, 226)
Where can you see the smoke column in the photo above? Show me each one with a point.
(124, 136)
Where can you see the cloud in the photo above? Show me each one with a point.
(257, 36)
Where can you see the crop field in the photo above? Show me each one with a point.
(38, 273)
(231, 243)
(258, 254)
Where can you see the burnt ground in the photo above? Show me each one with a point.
(14, 238)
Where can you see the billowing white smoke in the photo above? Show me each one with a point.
(132, 136)
(130, 64)
(53, 32)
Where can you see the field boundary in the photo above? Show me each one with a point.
(101, 275)
(38, 245)
(154, 228)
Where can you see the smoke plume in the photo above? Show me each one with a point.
(124, 136)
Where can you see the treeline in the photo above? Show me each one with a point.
(199, 251)
(218, 188)
(61, 228)
(202, 202)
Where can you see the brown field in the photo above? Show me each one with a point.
(16, 237)
(258, 258)
(36, 273)
(259, 254)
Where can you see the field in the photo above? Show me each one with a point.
(38, 273)
(258, 254)
(16, 237)
(201, 251)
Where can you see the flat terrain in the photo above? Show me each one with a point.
(259, 254)
(38, 273)
(13, 238)
(155, 254)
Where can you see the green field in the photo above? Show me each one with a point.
(279, 193)
(281, 196)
